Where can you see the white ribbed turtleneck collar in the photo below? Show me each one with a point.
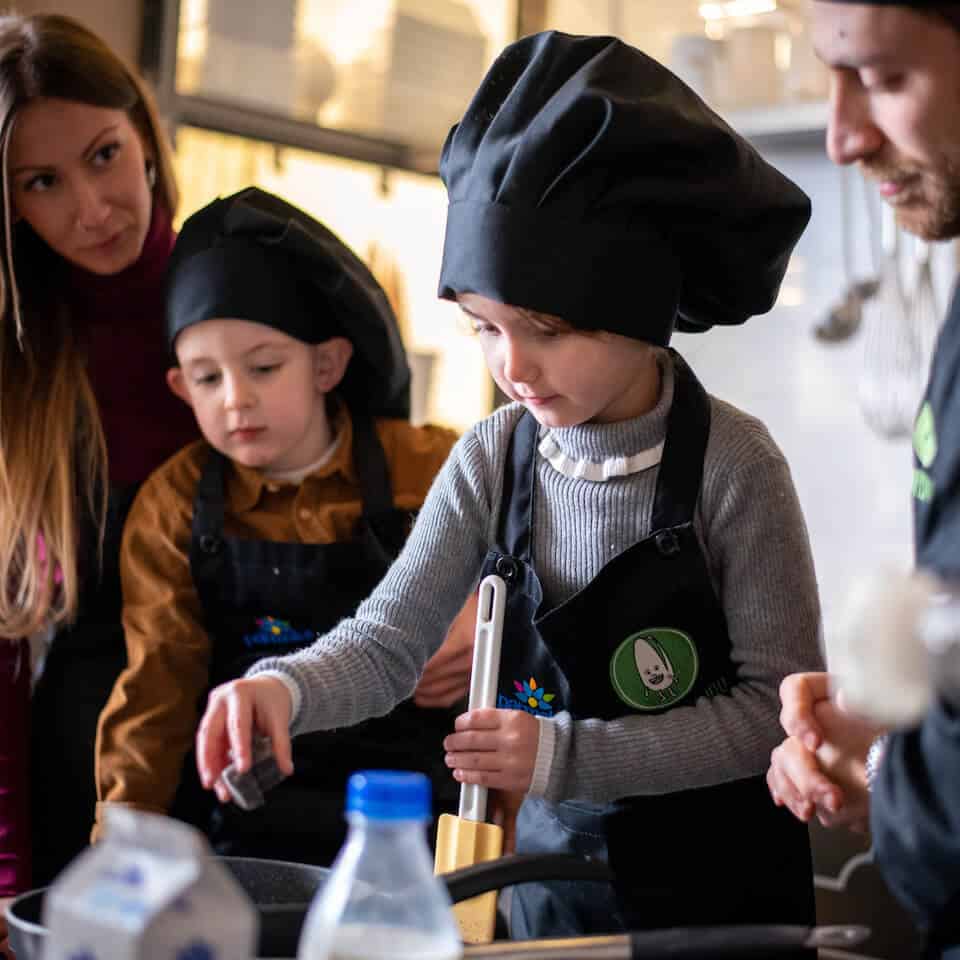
(603, 451)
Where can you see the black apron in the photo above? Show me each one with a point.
(78, 676)
(648, 634)
(263, 598)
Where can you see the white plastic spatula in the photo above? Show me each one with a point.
(468, 839)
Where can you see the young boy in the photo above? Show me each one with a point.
(659, 578)
(272, 531)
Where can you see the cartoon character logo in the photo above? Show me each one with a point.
(652, 662)
(529, 696)
(655, 668)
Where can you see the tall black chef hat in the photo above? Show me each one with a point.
(253, 256)
(586, 181)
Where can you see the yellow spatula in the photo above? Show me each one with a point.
(467, 839)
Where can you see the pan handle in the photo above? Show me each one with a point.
(517, 868)
(680, 943)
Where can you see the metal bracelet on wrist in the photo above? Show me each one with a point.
(874, 759)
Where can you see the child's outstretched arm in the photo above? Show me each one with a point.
(370, 662)
(234, 711)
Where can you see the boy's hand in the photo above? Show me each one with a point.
(494, 748)
(5, 950)
(446, 678)
(234, 711)
(503, 809)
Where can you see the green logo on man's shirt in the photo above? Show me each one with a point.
(922, 488)
(925, 436)
(925, 447)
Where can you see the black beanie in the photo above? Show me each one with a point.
(253, 256)
(587, 181)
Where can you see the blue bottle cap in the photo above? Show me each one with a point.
(389, 795)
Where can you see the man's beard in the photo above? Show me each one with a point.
(935, 214)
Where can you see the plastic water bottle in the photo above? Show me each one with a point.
(382, 900)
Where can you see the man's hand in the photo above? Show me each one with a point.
(819, 769)
(799, 695)
(494, 748)
(234, 711)
(842, 757)
(446, 677)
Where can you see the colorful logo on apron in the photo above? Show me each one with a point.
(272, 632)
(529, 696)
(654, 668)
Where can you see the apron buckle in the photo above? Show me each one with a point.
(668, 543)
(209, 543)
(507, 568)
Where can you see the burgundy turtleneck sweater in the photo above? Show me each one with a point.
(122, 319)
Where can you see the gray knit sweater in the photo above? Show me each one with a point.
(755, 540)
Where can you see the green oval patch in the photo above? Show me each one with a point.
(654, 668)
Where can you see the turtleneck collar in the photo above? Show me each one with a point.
(99, 296)
(601, 451)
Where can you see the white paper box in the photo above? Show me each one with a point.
(150, 889)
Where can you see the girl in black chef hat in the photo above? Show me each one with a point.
(252, 543)
(659, 578)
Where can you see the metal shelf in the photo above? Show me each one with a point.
(242, 121)
(788, 124)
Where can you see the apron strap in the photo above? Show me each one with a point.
(515, 523)
(208, 500)
(371, 465)
(206, 541)
(681, 466)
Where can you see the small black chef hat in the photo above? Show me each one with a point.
(586, 181)
(253, 256)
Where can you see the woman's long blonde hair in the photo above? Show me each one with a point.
(53, 460)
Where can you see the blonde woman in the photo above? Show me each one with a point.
(85, 415)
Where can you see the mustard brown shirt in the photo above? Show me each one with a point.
(148, 725)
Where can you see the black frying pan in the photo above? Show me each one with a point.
(282, 893)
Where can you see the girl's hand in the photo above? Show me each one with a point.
(494, 748)
(225, 734)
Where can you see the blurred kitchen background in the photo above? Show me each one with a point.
(342, 105)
